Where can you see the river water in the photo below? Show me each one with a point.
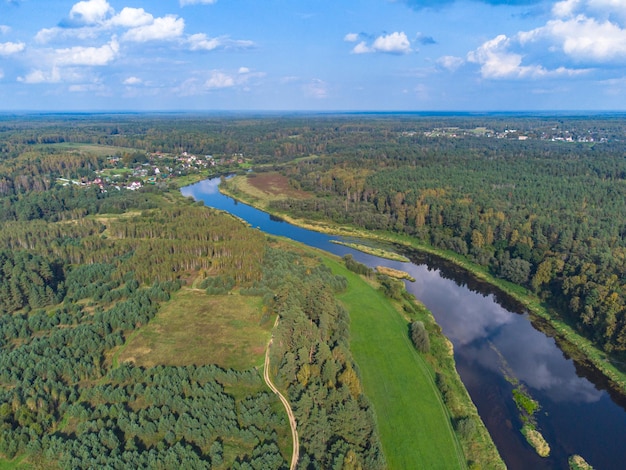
(494, 341)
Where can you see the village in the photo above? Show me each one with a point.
(136, 171)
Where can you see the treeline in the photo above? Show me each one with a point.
(312, 361)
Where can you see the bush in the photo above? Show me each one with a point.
(419, 336)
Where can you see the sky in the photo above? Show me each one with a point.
(309, 55)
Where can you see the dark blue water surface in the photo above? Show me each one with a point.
(493, 340)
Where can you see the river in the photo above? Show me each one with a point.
(494, 341)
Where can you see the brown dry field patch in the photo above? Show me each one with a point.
(275, 184)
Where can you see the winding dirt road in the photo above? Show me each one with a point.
(292, 420)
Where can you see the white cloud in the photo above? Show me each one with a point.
(58, 75)
(565, 8)
(10, 48)
(4, 29)
(450, 62)
(497, 62)
(362, 48)
(219, 80)
(1, 74)
(91, 11)
(201, 42)
(90, 56)
(167, 27)
(351, 37)
(132, 18)
(582, 38)
(196, 2)
(393, 43)
(133, 81)
(243, 70)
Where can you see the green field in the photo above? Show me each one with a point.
(16, 463)
(100, 150)
(195, 328)
(413, 423)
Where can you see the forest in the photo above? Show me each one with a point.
(82, 270)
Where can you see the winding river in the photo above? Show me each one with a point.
(494, 341)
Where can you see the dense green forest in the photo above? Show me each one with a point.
(82, 269)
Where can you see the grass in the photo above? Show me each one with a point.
(266, 187)
(16, 463)
(100, 150)
(536, 440)
(195, 328)
(395, 273)
(413, 422)
(374, 251)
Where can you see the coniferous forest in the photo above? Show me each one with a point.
(95, 240)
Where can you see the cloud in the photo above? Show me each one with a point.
(1, 74)
(59, 75)
(450, 62)
(91, 11)
(201, 42)
(4, 29)
(582, 39)
(10, 48)
(133, 81)
(393, 43)
(581, 36)
(90, 56)
(497, 61)
(165, 28)
(219, 80)
(243, 70)
(184, 3)
(132, 18)
(362, 48)
(351, 37)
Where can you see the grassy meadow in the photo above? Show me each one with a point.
(100, 150)
(414, 424)
(195, 328)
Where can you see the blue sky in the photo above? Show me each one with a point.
(491, 55)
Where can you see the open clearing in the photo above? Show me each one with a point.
(100, 150)
(195, 328)
(269, 186)
(414, 425)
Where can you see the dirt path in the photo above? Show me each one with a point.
(292, 420)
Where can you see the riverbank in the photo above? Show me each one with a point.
(421, 422)
(438, 367)
(573, 344)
